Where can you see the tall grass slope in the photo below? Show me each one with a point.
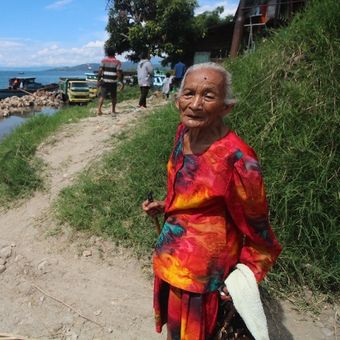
(288, 112)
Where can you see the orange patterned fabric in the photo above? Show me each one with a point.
(216, 216)
(189, 316)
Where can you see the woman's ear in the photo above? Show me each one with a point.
(227, 109)
(177, 102)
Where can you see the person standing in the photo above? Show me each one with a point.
(145, 75)
(216, 242)
(179, 70)
(110, 72)
(166, 85)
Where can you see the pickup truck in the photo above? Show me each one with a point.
(74, 90)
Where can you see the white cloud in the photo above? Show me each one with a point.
(229, 8)
(60, 55)
(95, 44)
(59, 4)
(48, 54)
(9, 44)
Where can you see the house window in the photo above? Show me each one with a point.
(201, 57)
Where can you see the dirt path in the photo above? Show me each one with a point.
(64, 285)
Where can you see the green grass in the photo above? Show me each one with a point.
(20, 170)
(288, 113)
(129, 92)
(107, 199)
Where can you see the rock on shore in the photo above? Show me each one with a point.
(23, 104)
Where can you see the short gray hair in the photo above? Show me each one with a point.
(228, 93)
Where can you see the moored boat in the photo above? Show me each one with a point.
(21, 86)
(4, 93)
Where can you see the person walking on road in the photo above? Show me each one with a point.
(145, 76)
(110, 72)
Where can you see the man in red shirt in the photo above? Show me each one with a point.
(110, 72)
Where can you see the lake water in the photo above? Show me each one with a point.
(8, 124)
(44, 77)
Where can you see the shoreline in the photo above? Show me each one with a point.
(27, 103)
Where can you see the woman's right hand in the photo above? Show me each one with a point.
(153, 208)
(224, 294)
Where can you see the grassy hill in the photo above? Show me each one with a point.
(287, 110)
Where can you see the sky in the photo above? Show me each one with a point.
(41, 33)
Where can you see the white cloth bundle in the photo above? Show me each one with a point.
(243, 289)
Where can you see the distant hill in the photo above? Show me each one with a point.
(82, 67)
(126, 66)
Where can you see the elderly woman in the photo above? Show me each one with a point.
(216, 231)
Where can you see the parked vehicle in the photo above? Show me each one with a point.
(158, 79)
(92, 79)
(74, 90)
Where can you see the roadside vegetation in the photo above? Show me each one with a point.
(107, 198)
(287, 111)
(20, 171)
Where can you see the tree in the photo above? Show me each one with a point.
(166, 28)
(124, 15)
(160, 26)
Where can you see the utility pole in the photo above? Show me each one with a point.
(238, 29)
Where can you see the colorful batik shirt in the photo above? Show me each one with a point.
(216, 216)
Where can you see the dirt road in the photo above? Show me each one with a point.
(58, 284)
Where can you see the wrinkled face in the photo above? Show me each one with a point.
(201, 103)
